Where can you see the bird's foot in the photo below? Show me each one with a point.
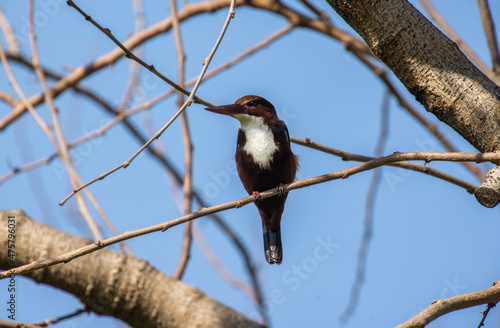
(256, 195)
(280, 189)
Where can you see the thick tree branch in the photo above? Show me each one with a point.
(111, 283)
(443, 24)
(488, 193)
(430, 66)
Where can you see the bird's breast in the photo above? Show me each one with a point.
(260, 144)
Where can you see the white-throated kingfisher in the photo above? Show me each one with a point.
(264, 161)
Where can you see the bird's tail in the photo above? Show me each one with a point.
(272, 246)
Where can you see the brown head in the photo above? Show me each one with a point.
(247, 107)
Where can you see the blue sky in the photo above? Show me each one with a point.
(431, 239)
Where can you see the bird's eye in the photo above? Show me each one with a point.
(251, 103)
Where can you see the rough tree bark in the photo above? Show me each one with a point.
(111, 283)
(430, 66)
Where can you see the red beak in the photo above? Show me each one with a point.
(230, 110)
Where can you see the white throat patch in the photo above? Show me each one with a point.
(259, 139)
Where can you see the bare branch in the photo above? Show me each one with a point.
(122, 115)
(110, 58)
(27, 167)
(491, 38)
(431, 127)
(405, 50)
(10, 38)
(321, 14)
(342, 174)
(114, 284)
(441, 307)
(369, 214)
(47, 322)
(346, 156)
(485, 314)
(186, 103)
(132, 56)
(187, 185)
(24, 99)
(61, 146)
(247, 260)
(140, 25)
(488, 193)
(16, 324)
(11, 100)
(351, 42)
(219, 265)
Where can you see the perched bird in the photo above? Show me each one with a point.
(264, 160)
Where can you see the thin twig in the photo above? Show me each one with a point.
(485, 314)
(250, 51)
(27, 167)
(13, 82)
(342, 174)
(48, 322)
(219, 265)
(249, 265)
(186, 103)
(321, 14)
(122, 115)
(61, 146)
(489, 32)
(135, 40)
(126, 249)
(140, 24)
(346, 156)
(130, 55)
(45, 128)
(360, 50)
(170, 168)
(8, 33)
(187, 185)
(11, 100)
(369, 214)
(431, 127)
(16, 324)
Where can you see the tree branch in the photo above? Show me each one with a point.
(346, 156)
(491, 38)
(61, 146)
(430, 66)
(368, 221)
(188, 101)
(441, 307)
(113, 56)
(129, 54)
(114, 284)
(187, 184)
(342, 174)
